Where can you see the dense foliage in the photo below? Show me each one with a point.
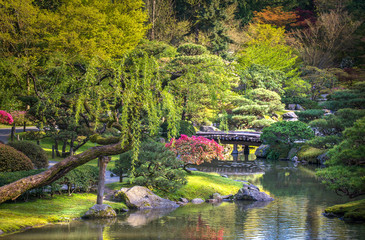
(12, 160)
(346, 172)
(34, 152)
(156, 168)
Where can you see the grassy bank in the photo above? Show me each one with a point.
(199, 185)
(18, 216)
(351, 211)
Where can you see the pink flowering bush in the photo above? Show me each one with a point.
(195, 150)
(5, 117)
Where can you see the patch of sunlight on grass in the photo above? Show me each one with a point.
(16, 216)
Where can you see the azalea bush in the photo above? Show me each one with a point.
(195, 150)
(6, 117)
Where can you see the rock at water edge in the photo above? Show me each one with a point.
(139, 197)
(100, 211)
(252, 193)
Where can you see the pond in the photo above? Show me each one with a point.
(296, 213)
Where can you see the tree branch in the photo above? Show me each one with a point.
(15, 189)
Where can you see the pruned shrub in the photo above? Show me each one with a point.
(157, 167)
(80, 179)
(9, 177)
(34, 152)
(304, 102)
(310, 115)
(190, 49)
(12, 160)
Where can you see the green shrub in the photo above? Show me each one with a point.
(157, 49)
(304, 102)
(286, 133)
(80, 179)
(324, 142)
(261, 123)
(12, 160)
(310, 115)
(157, 167)
(345, 99)
(35, 153)
(190, 49)
(9, 177)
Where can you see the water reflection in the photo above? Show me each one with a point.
(296, 213)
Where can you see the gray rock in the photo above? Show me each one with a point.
(292, 153)
(138, 197)
(323, 158)
(299, 107)
(291, 106)
(225, 176)
(100, 211)
(184, 200)
(252, 193)
(290, 115)
(294, 159)
(208, 129)
(1, 232)
(197, 201)
(262, 151)
(217, 196)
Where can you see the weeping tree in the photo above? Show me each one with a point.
(79, 64)
(125, 95)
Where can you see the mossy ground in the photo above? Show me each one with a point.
(203, 185)
(351, 211)
(20, 215)
(310, 154)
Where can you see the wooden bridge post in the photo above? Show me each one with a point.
(235, 153)
(246, 152)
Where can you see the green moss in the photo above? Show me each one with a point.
(17, 216)
(351, 211)
(310, 154)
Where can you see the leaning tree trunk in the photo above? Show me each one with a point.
(17, 188)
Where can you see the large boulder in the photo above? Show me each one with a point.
(138, 197)
(100, 211)
(250, 192)
(290, 115)
(262, 151)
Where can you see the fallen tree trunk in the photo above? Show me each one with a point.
(15, 189)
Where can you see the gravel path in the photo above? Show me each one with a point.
(5, 132)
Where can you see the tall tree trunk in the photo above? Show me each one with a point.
(56, 148)
(103, 161)
(64, 148)
(17, 188)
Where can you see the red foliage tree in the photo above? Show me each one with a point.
(5, 117)
(195, 150)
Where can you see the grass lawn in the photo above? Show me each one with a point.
(46, 144)
(199, 185)
(17, 216)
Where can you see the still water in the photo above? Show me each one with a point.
(296, 213)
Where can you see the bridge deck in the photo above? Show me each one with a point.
(234, 137)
